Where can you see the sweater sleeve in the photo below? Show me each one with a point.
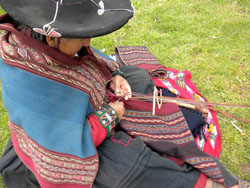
(102, 122)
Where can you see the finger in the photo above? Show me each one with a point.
(118, 90)
(119, 103)
(115, 85)
(127, 90)
(120, 93)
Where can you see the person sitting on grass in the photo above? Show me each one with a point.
(72, 119)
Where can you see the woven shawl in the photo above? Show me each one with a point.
(166, 132)
(49, 127)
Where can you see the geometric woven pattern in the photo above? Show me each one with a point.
(52, 166)
(168, 133)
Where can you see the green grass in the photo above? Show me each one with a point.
(211, 39)
(4, 132)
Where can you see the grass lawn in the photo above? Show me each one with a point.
(211, 39)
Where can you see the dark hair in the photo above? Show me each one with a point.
(29, 32)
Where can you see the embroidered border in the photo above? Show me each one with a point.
(45, 67)
(180, 79)
(108, 118)
(54, 167)
(207, 166)
(156, 128)
(136, 55)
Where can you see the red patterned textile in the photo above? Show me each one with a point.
(141, 57)
(41, 61)
(211, 144)
(178, 83)
(167, 132)
(52, 168)
(87, 74)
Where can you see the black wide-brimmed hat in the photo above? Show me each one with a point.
(70, 18)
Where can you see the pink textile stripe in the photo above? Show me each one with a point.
(141, 60)
(135, 51)
(53, 169)
(136, 55)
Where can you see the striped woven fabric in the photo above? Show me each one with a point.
(168, 133)
(141, 57)
(135, 55)
(49, 127)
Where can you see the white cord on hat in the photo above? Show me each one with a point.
(47, 28)
(101, 9)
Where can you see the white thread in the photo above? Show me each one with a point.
(155, 92)
(96, 4)
(101, 4)
(47, 26)
(101, 9)
(54, 19)
(119, 10)
(233, 123)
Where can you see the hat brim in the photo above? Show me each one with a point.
(75, 20)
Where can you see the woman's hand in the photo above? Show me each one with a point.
(120, 87)
(119, 108)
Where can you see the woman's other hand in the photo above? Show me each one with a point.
(121, 87)
(119, 108)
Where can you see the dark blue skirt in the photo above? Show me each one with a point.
(134, 166)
